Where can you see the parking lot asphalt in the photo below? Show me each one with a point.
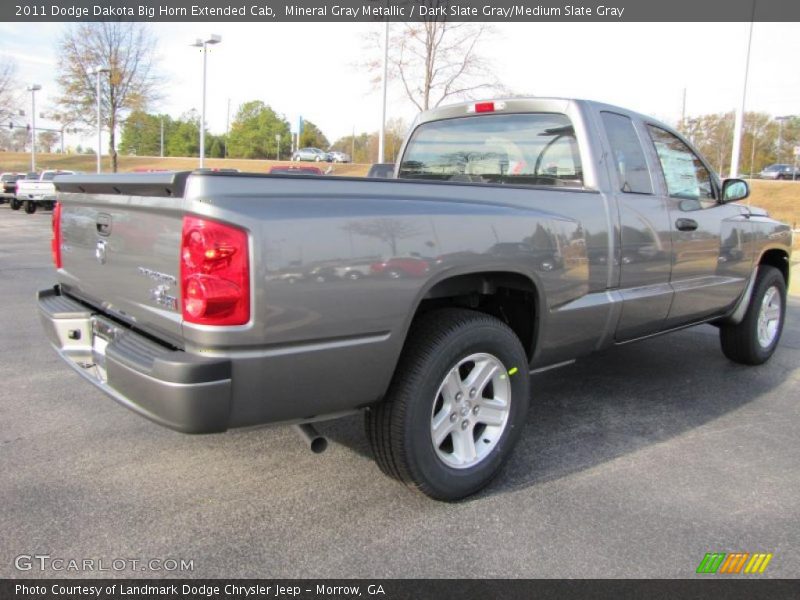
(635, 463)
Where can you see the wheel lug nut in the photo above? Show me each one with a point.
(473, 392)
(453, 418)
(464, 424)
(459, 396)
(476, 410)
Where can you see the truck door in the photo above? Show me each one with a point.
(644, 246)
(711, 261)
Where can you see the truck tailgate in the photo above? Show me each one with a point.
(120, 245)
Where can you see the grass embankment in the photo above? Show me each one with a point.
(780, 198)
(17, 161)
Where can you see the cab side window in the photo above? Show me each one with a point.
(629, 160)
(685, 174)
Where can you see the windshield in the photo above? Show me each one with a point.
(522, 149)
(48, 176)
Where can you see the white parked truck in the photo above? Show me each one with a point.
(38, 192)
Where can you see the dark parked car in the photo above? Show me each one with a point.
(780, 171)
(8, 188)
(294, 170)
(381, 170)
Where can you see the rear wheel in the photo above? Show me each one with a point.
(15, 204)
(456, 406)
(30, 207)
(753, 341)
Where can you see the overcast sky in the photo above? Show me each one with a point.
(314, 69)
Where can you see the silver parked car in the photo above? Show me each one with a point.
(340, 157)
(312, 154)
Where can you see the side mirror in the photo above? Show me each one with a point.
(734, 189)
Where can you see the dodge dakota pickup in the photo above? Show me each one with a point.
(531, 232)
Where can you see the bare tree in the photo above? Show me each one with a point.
(386, 229)
(8, 96)
(129, 51)
(436, 60)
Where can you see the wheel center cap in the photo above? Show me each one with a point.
(465, 410)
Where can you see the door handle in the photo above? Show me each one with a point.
(686, 224)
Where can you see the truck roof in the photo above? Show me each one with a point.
(522, 105)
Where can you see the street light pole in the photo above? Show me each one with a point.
(780, 121)
(227, 128)
(213, 39)
(97, 71)
(382, 134)
(739, 124)
(33, 89)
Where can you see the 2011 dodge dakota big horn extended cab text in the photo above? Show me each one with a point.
(516, 235)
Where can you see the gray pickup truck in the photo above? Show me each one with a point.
(516, 235)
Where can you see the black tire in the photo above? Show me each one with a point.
(740, 343)
(30, 207)
(15, 204)
(399, 428)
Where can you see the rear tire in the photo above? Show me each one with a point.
(754, 340)
(15, 204)
(30, 207)
(432, 396)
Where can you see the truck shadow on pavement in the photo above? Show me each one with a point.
(621, 401)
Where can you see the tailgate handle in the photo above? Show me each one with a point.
(104, 224)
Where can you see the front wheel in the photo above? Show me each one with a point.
(15, 204)
(456, 406)
(754, 340)
(30, 207)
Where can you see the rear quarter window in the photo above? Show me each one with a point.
(537, 149)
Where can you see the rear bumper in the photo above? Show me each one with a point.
(182, 391)
(37, 197)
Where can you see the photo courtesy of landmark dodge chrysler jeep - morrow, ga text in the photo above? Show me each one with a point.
(515, 235)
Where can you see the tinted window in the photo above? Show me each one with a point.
(685, 174)
(529, 149)
(48, 176)
(628, 156)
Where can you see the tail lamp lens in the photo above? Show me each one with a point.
(55, 242)
(215, 273)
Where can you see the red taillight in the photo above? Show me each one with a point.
(55, 243)
(215, 273)
(486, 107)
